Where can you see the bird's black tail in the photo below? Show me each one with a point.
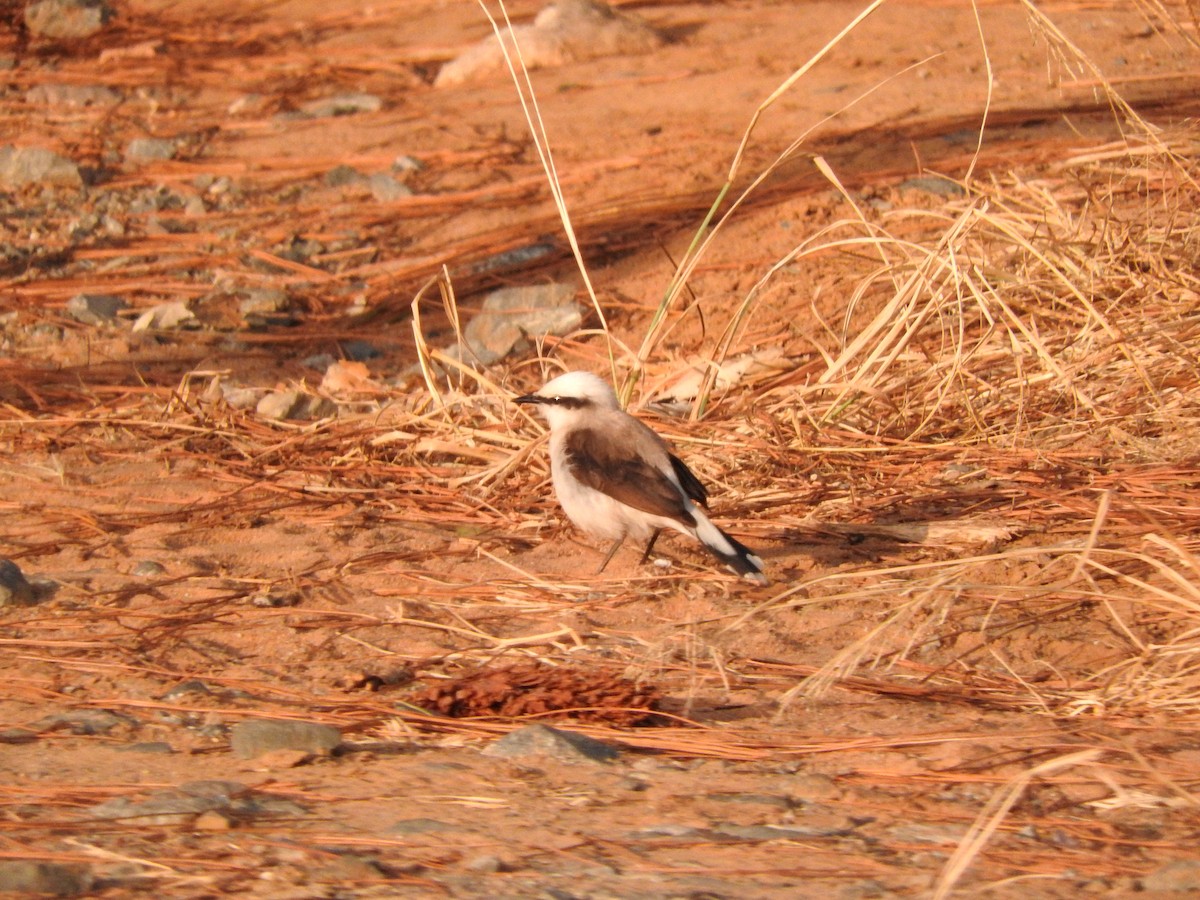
(730, 551)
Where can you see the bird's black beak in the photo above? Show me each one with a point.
(527, 398)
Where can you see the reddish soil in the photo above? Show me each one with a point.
(333, 572)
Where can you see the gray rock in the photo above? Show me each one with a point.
(73, 95)
(343, 176)
(61, 19)
(179, 806)
(240, 397)
(542, 740)
(157, 747)
(1181, 876)
(280, 405)
(22, 166)
(406, 163)
(565, 31)
(14, 589)
(511, 316)
(387, 189)
(164, 316)
(83, 721)
(150, 149)
(94, 309)
(263, 302)
(258, 736)
(17, 736)
(360, 351)
(55, 879)
(342, 105)
(933, 184)
(148, 568)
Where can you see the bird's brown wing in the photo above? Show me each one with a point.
(600, 459)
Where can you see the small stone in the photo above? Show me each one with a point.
(342, 105)
(149, 149)
(263, 301)
(82, 721)
(164, 316)
(193, 687)
(65, 19)
(22, 166)
(95, 309)
(933, 184)
(542, 740)
(55, 879)
(343, 176)
(510, 316)
(406, 163)
(14, 589)
(148, 568)
(258, 736)
(279, 405)
(17, 736)
(1182, 876)
(387, 189)
(485, 863)
(565, 31)
(157, 747)
(240, 397)
(72, 95)
(360, 351)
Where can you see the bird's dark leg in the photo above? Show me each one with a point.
(611, 553)
(650, 545)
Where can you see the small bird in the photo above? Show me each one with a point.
(615, 478)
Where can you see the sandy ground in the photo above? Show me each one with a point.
(199, 567)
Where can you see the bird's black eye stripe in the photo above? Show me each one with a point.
(567, 402)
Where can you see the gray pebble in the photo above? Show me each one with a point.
(542, 740)
(259, 736)
(148, 568)
(71, 95)
(149, 149)
(59, 19)
(165, 315)
(343, 176)
(14, 589)
(360, 351)
(83, 721)
(55, 879)
(510, 316)
(387, 189)
(21, 166)
(177, 806)
(161, 747)
(279, 405)
(933, 184)
(94, 309)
